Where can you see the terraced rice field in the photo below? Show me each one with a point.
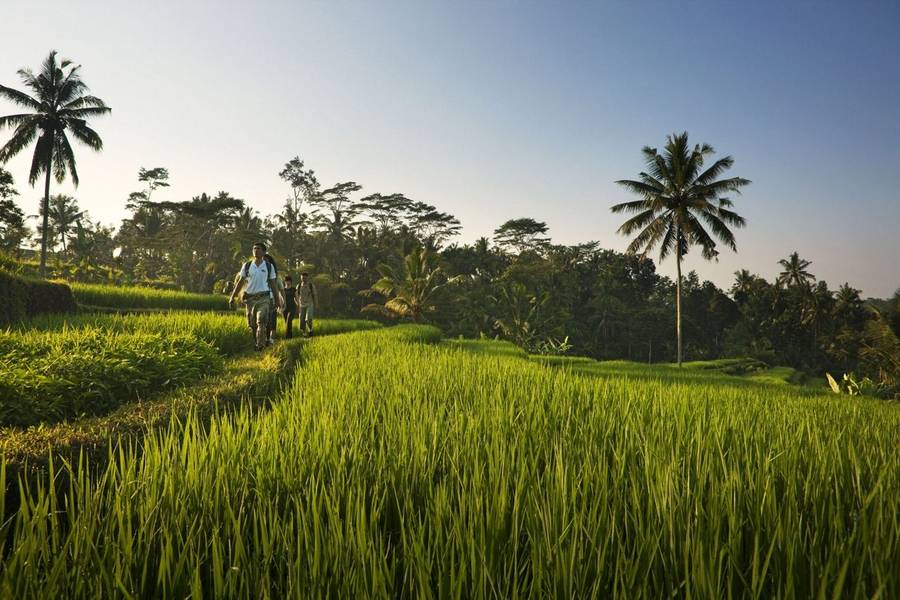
(398, 465)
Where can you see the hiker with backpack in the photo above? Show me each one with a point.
(307, 302)
(260, 278)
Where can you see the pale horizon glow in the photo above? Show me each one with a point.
(493, 111)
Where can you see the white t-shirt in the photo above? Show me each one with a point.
(258, 276)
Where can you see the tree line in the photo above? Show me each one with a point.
(389, 256)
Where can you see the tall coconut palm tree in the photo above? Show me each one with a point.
(795, 273)
(678, 200)
(60, 106)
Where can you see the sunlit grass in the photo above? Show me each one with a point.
(57, 367)
(394, 467)
(119, 296)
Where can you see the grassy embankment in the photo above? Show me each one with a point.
(64, 374)
(392, 467)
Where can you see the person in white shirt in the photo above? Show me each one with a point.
(260, 279)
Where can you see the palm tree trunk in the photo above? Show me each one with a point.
(44, 232)
(678, 297)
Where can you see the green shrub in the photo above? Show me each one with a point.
(49, 297)
(22, 297)
(13, 298)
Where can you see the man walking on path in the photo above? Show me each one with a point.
(290, 307)
(259, 277)
(307, 301)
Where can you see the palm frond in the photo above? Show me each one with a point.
(20, 98)
(647, 238)
(85, 102)
(668, 241)
(637, 222)
(86, 135)
(638, 187)
(43, 156)
(692, 165)
(730, 217)
(709, 175)
(633, 206)
(653, 182)
(23, 135)
(699, 236)
(71, 87)
(663, 169)
(18, 120)
(65, 155)
(84, 113)
(28, 78)
(720, 229)
(723, 186)
(399, 306)
(650, 159)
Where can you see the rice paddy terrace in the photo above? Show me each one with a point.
(393, 463)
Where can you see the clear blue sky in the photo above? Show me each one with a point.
(495, 110)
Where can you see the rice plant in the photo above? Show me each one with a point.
(110, 296)
(56, 367)
(396, 466)
(227, 332)
(49, 377)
